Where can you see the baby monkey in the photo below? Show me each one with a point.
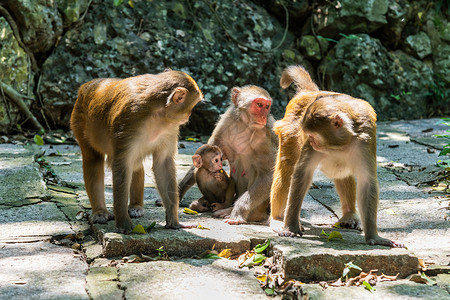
(213, 182)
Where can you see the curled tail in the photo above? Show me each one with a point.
(300, 77)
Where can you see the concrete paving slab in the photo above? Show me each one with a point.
(408, 212)
(40, 270)
(189, 279)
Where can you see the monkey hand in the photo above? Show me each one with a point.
(136, 212)
(287, 231)
(350, 220)
(124, 226)
(216, 206)
(378, 240)
(101, 217)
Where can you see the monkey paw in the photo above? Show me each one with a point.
(136, 212)
(236, 221)
(223, 213)
(285, 232)
(178, 226)
(217, 206)
(125, 226)
(101, 217)
(351, 221)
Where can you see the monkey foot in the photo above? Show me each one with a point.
(178, 226)
(384, 242)
(136, 212)
(235, 221)
(223, 213)
(101, 217)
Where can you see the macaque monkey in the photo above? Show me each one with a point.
(213, 182)
(337, 132)
(128, 119)
(244, 133)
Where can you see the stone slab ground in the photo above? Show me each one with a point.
(38, 223)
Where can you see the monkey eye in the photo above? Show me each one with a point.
(267, 106)
(259, 104)
(217, 160)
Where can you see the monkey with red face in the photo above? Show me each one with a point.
(245, 135)
(338, 133)
(128, 119)
(213, 182)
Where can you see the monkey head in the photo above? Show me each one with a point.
(182, 98)
(253, 103)
(328, 128)
(209, 157)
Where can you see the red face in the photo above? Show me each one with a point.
(259, 109)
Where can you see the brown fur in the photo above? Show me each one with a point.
(250, 149)
(337, 132)
(213, 182)
(128, 119)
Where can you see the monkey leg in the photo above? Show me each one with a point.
(300, 183)
(288, 155)
(136, 207)
(346, 189)
(122, 174)
(367, 195)
(165, 175)
(94, 176)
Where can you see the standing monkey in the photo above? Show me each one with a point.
(244, 133)
(337, 132)
(128, 119)
(213, 182)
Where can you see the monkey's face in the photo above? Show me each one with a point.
(259, 110)
(215, 162)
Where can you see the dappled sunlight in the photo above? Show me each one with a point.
(393, 136)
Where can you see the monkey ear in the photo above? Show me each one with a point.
(337, 121)
(179, 95)
(197, 160)
(234, 94)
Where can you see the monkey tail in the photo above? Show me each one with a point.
(300, 77)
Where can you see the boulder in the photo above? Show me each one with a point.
(350, 16)
(396, 84)
(418, 45)
(39, 22)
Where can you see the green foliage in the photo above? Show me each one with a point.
(261, 247)
(38, 140)
(400, 96)
(368, 286)
(348, 267)
(446, 149)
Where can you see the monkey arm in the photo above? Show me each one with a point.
(229, 194)
(187, 182)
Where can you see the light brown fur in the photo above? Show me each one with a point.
(213, 182)
(128, 119)
(244, 133)
(338, 133)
